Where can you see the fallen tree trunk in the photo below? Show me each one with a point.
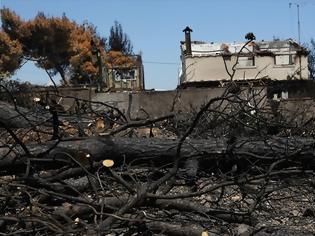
(19, 117)
(159, 150)
(79, 210)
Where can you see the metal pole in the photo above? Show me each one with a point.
(299, 25)
(299, 31)
(298, 15)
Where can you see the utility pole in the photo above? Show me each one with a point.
(298, 15)
(96, 51)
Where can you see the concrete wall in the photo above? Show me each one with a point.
(146, 104)
(183, 102)
(158, 103)
(211, 68)
(135, 105)
(65, 96)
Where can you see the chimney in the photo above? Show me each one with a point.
(187, 31)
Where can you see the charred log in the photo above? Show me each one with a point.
(294, 150)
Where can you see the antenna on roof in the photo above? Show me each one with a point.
(298, 15)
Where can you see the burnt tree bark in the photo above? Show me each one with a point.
(162, 151)
(18, 117)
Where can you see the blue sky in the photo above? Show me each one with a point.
(155, 26)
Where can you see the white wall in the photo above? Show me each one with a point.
(211, 68)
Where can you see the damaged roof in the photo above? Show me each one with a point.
(200, 48)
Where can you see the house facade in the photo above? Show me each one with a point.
(264, 60)
(125, 73)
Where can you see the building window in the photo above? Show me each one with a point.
(247, 61)
(280, 95)
(282, 60)
(124, 74)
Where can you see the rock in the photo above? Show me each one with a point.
(295, 212)
(244, 230)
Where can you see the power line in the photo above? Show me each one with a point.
(161, 63)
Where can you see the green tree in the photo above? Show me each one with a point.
(118, 40)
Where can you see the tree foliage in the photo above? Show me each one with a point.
(10, 54)
(84, 62)
(118, 40)
(311, 59)
(56, 44)
(60, 46)
(11, 23)
(118, 59)
(10, 47)
(47, 40)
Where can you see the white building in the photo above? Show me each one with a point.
(265, 60)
